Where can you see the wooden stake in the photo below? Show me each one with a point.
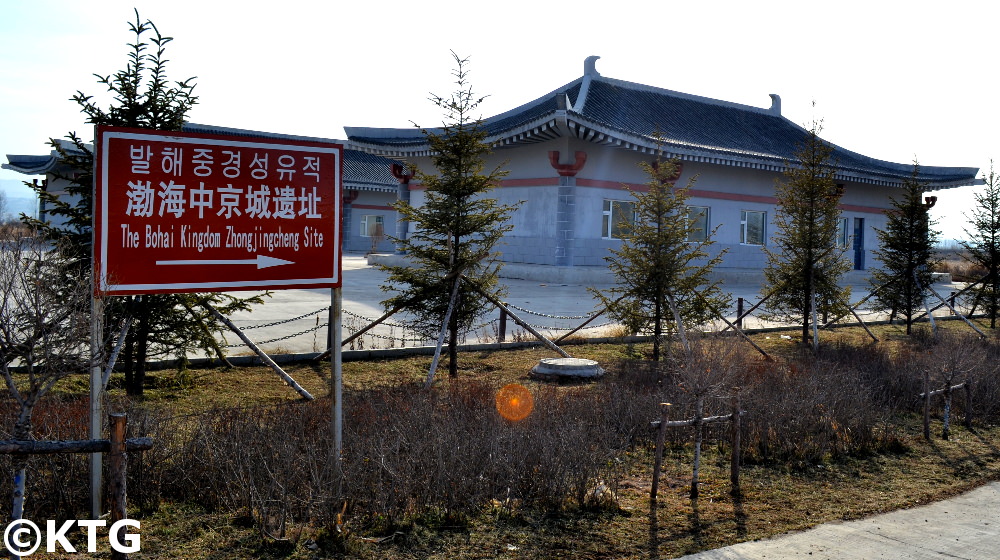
(698, 435)
(955, 312)
(444, 330)
(740, 317)
(502, 334)
(734, 327)
(658, 454)
(734, 461)
(927, 405)
(260, 353)
(588, 321)
(117, 465)
(968, 403)
(946, 430)
(371, 326)
(519, 321)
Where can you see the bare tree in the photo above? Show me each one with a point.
(955, 359)
(706, 371)
(44, 331)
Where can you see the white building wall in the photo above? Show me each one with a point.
(535, 185)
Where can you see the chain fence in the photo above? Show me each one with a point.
(399, 333)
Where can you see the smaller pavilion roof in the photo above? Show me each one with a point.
(39, 165)
(362, 171)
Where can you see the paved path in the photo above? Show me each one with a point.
(966, 527)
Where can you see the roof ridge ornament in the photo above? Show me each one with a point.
(589, 72)
(775, 104)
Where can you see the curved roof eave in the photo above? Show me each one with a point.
(30, 165)
(552, 125)
(893, 176)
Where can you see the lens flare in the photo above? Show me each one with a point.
(514, 402)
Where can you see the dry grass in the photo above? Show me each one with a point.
(773, 502)
(777, 497)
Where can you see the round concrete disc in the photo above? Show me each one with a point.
(568, 368)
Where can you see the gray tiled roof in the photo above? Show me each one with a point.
(632, 116)
(690, 125)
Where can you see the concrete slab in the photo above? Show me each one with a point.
(966, 527)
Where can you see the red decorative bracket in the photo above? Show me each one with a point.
(564, 169)
(401, 173)
(350, 195)
(677, 175)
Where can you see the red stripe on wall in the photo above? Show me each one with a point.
(698, 193)
(543, 182)
(581, 182)
(733, 196)
(868, 209)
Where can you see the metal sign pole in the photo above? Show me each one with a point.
(336, 312)
(96, 387)
(96, 338)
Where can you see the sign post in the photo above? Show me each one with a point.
(178, 212)
(336, 324)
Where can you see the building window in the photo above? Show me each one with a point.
(697, 223)
(372, 226)
(618, 217)
(842, 237)
(752, 227)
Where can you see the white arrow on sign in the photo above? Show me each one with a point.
(261, 261)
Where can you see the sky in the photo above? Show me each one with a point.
(894, 80)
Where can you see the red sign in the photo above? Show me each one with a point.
(180, 212)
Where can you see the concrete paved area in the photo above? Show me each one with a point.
(966, 527)
(561, 305)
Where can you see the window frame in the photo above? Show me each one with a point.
(843, 233)
(745, 230)
(365, 226)
(608, 228)
(704, 231)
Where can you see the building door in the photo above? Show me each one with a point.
(859, 243)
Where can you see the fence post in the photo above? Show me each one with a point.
(739, 313)
(927, 405)
(117, 462)
(968, 404)
(734, 466)
(699, 408)
(946, 430)
(658, 453)
(503, 323)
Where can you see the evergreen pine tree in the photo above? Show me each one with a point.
(657, 268)
(166, 325)
(807, 263)
(456, 228)
(983, 244)
(906, 252)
